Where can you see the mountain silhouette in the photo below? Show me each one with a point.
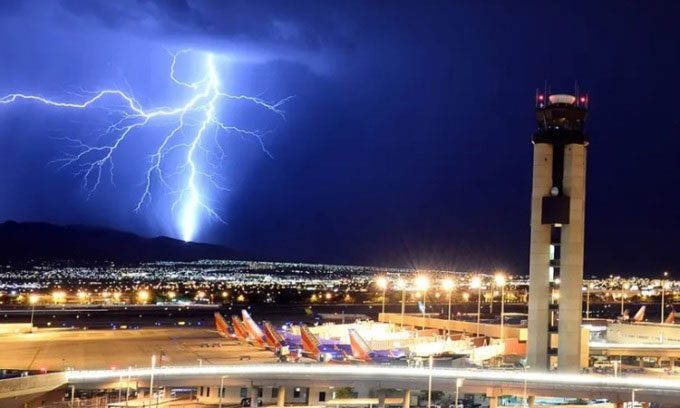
(37, 241)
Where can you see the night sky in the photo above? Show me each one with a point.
(407, 142)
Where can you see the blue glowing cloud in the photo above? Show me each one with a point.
(189, 179)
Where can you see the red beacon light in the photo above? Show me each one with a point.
(540, 97)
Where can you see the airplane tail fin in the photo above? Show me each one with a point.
(252, 328)
(626, 315)
(239, 329)
(360, 349)
(221, 325)
(640, 315)
(274, 339)
(310, 343)
(671, 318)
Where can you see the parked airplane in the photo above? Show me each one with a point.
(671, 318)
(322, 350)
(288, 345)
(253, 329)
(639, 316)
(222, 326)
(363, 352)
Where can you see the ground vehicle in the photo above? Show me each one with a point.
(603, 364)
(245, 402)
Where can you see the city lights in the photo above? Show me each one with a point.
(381, 282)
(448, 284)
(143, 296)
(58, 296)
(422, 282)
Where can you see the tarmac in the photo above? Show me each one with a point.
(57, 350)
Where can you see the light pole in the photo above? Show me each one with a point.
(422, 284)
(459, 383)
(448, 287)
(589, 287)
(491, 300)
(120, 388)
(500, 281)
(624, 287)
(222, 390)
(382, 284)
(526, 397)
(476, 283)
(33, 299)
(632, 398)
(663, 295)
(153, 366)
(127, 388)
(429, 384)
(402, 285)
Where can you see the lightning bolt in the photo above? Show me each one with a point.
(190, 124)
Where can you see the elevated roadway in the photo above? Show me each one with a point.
(493, 383)
(635, 349)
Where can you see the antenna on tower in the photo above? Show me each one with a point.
(576, 91)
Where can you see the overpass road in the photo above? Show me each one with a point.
(489, 382)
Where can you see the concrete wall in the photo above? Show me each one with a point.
(26, 389)
(638, 333)
(539, 260)
(209, 394)
(490, 330)
(14, 328)
(571, 260)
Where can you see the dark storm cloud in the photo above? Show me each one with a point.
(307, 26)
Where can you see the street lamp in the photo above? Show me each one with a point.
(221, 394)
(476, 283)
(58, 296)
(33, 299)
(632, 397)
(589, 287)
(381, 282)
(624, 287)
(153, 366)
(663, 295)
(500, 281)
(448, 287)
(143, 296)
(526, 397)
(616, 367)
(401, 284)
(422, 284)
(459, 383)
(429, 384)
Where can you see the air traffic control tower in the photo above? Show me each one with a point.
(557, 231)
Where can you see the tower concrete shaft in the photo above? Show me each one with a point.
(557, 232)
